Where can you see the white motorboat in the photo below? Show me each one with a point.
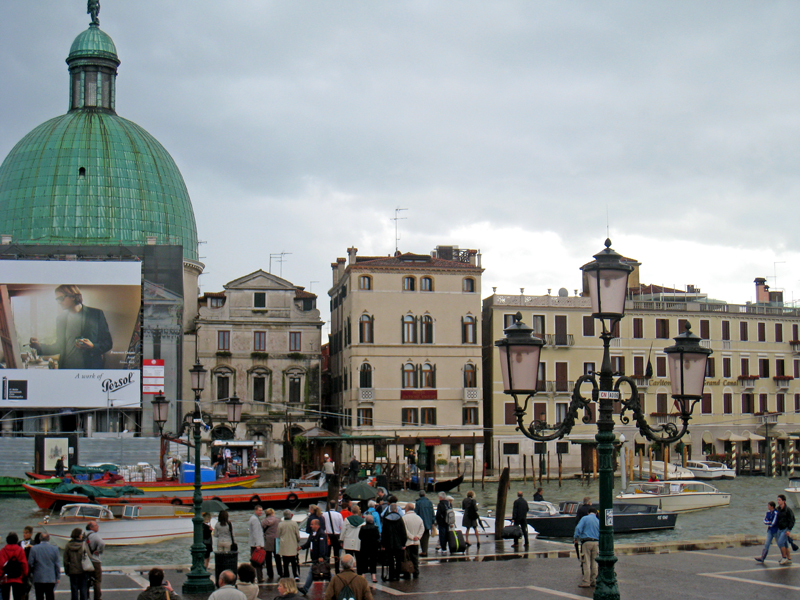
(486, 528)
(675, 496)
(710, 469)
(122, 524)
(673, 471)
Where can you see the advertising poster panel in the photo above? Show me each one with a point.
(71, 334)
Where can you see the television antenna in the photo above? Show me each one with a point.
(397, 218)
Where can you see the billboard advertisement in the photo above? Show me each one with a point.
(71, 333)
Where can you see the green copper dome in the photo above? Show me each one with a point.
(93, 42)
(90, 176)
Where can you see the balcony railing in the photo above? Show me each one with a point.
(795, 346)
(366, 394)
(560, 387)
(726, 345)
(641, 381)
(472, 394)
(660, 418)
(769, 418)
(559, 339)
(782, 382)
(747, 383)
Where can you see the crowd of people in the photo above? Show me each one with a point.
(33, 563)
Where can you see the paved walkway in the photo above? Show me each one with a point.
(551, 571)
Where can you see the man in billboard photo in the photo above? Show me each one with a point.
(82, 335)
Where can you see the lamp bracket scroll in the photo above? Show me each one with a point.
(665, 433)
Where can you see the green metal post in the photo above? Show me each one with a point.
(198, 580)
(606, 587)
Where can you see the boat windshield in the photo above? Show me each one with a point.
(86, 511)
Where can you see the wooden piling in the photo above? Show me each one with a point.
(548, 466)
(500, 507)
(641, 461)
(560, 456)
(524, 469)
(533, 469)
(650, 459)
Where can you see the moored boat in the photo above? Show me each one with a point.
(673, 472)
(552, 521)
(122, 524)
(675, 496)
(710, 470)
(793, 492)
(12, 486)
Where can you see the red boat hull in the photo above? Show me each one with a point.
(47, 500)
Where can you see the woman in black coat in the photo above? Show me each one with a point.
(367, 557)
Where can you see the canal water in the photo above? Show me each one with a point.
(749, 496)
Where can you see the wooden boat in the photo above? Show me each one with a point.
(167, 486)
(486, 528)
(438, 486)
(12, 486)
(677, 496)
(122, 524)
(47, 499)
(710, 470)
(552, 521)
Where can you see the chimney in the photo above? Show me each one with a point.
(762, 290)
(351, 255)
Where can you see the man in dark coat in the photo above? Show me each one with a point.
(319, 552)
(393, 541)
(519, 514)
(441, 520)
(424, 508)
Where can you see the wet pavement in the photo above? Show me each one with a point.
(550, 570)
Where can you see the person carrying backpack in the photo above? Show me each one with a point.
(348, 585)
(13, 568)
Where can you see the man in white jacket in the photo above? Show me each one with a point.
(415, 529)
(255, 537)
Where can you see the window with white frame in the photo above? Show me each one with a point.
(468, 330)
(365, 329)
(470, 376)
(426, 329)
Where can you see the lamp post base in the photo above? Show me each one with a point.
(197, 584)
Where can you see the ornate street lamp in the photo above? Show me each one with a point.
(607, 283)
(198, 580)
(234, 408)
(160, 411)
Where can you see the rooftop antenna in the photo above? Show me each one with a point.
(396, 234)
(278, 259)
(775, 271)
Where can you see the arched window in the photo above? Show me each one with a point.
(428, 376)
(365, 329)
(365, 376)
(409, 284)
(409, 329)
(470, 376)
(468, 284)
(426, 284)
(294, 385)
(224, 383)
(468, 333)
(259, 384)
(409, 376)
(426, 329)
(365, 282)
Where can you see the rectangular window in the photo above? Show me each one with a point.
(796, 363)
(426, 284)
(588, 326)
(364, 417)
(763, 403)
(540, 411)
(409, 284)
(216, 302)
(561, 411)
(711, 370)
(469, 416)
(511, 449)
(618, 364)
(705, 329)
(428, 416)
(295, 341)
(294, 390)
(638, 366)
(638, 328)
(561, 330)
(260, 341)
(410, 417)
(745, 367)
(662, 329)
(562, 377)
(797, 403)
(509, 414)
(681, 325)
(743, 331)
(747, 404)
(259, 300)
(365, 283)
(508, 321)
(778, 332)
(224, 341)
(763, 367)
(726, 330)
(726, 366)
(780, 367)
(780, 400)
(259, 389)
(795, 331)
(727, 404)
(223, 387)
(661, 404)
(705, 407)
(661, 366)
(762, 332)
(588, 368)
(538, 325)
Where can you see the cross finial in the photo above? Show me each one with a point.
(93, 8)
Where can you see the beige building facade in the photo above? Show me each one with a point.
(405, 352)
(752, 388)
(260, 340)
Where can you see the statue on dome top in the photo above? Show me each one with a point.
(93, 9)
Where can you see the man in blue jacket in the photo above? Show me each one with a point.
(44, 563)
(588, 534)
(424, 508)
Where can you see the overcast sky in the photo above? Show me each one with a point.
(516, 128)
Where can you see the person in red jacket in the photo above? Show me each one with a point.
(12, 558)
